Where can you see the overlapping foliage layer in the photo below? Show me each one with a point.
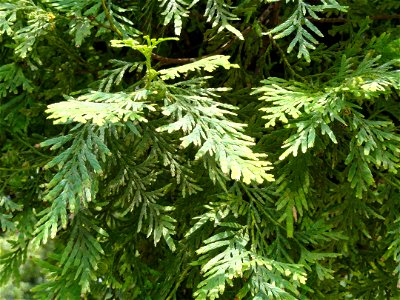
(201, 149)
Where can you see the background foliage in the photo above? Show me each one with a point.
(200, 149)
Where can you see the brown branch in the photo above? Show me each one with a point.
(344, 20)
(328, 20)
(169, 60)
(273, 22)
(387, 17)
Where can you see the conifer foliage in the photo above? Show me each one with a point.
(201, 149)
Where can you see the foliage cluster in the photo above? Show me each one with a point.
(201, 149)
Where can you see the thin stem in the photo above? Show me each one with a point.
(64, 46)
(31, 147)
(10, 169)
(183, 274)
(110, 18)
(286, 62)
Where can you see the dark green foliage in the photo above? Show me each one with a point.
(200, 149)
